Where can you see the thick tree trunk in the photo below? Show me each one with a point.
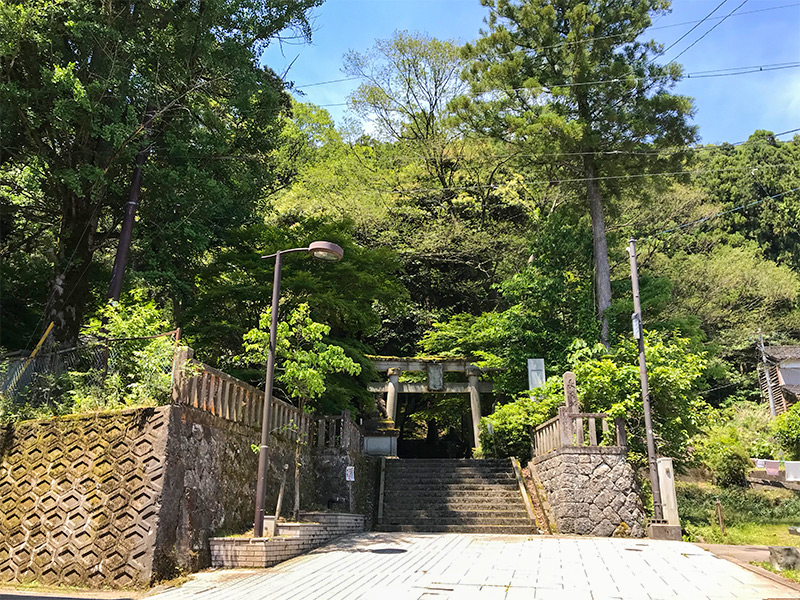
(602, 271)
(70, 288)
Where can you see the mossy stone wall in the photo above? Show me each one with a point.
(119, 499)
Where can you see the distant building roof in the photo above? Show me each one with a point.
(781, 353)
(793, 389)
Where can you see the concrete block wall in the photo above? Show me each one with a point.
(292, 539)
(591, 491)
(119, 499)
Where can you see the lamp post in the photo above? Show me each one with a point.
(326, 251)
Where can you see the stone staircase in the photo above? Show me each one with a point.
(456, 495)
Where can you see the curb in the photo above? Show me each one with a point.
(763, 572)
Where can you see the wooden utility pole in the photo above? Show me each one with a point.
(638, 333)
(121, 259)
(125, 235)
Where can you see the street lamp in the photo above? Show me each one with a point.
(326, 251)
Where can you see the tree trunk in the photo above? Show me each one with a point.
(296, 508)
(73, 261)
(602, 271)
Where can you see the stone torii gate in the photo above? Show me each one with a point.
(435, 370)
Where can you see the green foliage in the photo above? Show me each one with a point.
(85, 87)
(732, 435)
(507, 431)
(608, 381)
(138, 370)
(786, 429)
(727, 461)
(791, 574)
(732, 289)
(751, 516)
(303, 359)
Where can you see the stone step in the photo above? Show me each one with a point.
(436, 513)
(479, 519)
(463, 495)
(475, 484)
(486, 503)
(450, 462)
(446, 469)
(434, 528)
(448, 476)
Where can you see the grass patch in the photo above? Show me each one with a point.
(744, 534)
(752, 517)
(791, 574)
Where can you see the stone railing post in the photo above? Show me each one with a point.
(622, 437)
(565, 425)
(183, 354)
(570, 392)
(345, 441)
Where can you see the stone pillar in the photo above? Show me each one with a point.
(666, 480)
(183, 354)
(570, 392)
(391, 395)
(474, 403)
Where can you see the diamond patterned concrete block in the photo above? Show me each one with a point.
(78, 496)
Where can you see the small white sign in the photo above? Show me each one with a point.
(536, 375)
(637, 326)
(350, 474)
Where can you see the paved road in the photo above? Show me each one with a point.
(398, 566)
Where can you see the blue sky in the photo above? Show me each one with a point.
(728, 108)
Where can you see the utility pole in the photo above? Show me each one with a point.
(121, 259)
(638, 333)
(767, 374)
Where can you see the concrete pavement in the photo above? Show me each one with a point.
(451, 566)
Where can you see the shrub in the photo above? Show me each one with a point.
(608, 381)
(729, 466)
(138, 369)
(786, 429)
(722, 452)
(697, 504)
(506, 432)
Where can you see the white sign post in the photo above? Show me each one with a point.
(535, 373)
(350, 477)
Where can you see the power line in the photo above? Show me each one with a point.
(742, 70)
(308, 85)
(720, 213)
(725, 72)
(690, 46)
(582, 179)
(604, 37)
(662, 151)
(700, 22)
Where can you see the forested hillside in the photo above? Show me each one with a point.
(484, 196)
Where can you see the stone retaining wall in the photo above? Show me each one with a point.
(292, 539)
(591, 491)
(119, 499)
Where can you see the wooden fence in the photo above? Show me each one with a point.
(206, 388)
(576, 429)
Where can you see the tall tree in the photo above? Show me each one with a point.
(568, 79)
(77, 79)
(408, 81)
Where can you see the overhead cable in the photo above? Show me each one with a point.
(720, 213)
(692, 45)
